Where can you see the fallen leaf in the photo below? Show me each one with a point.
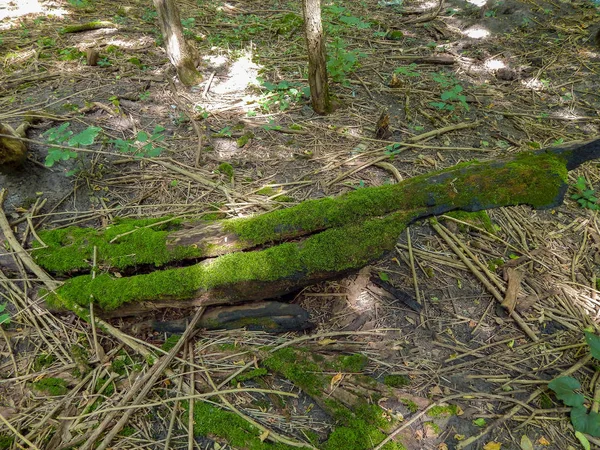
(543, 441)
(326, 342)
(492, 446)
(526, 443)
(436, 390)
(336, 379)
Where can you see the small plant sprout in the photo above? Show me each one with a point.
(584, 196)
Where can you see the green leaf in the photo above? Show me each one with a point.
(123, 146)
(158, 129)
(2, 307)
(154, 152)
(588, 423)
(86, 137)
(583, 440)
(479, 422)
(564, 388)
(592, 340)
(384, 276)
(438, 105)
(4, 318)
(58, 134)
(142, 136)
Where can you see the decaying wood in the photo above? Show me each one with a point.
(318, 239)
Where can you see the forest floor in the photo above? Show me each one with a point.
(466, 80)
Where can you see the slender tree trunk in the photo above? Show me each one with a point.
(317, 56)
(175, 45)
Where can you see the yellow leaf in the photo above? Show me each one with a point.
(543, 441)
(336, 379)
(442, 446)
(492, 446)
(264, 435)
(326, 341)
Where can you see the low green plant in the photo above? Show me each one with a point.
(407, 71)
(104, 62)
(70, 54)
(61, 135)
(187, 25)
(341, 61)
(224, 132)
(4, 316)
(143, 145)
(451, 93)
(584, 196)
(283, 94)
(565, 390)
(149, 15)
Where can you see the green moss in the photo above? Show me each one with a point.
(226, 426)
(43, 360)
(534, 179)
(170, 342)
(226, 169)
(122, 363)
(243, 140)
(294, 364)
(51, 386)
(412, 406)
(434, 426)
(284, 199)
(530, 178)
(254, 373)
(443, 411)
(81, 357)
(6, 442)
(394, 35)
(351, 363)
(128, 431)
(136, 242)
(333, 250)
(266, 191)
(360, 429)
(396, 381)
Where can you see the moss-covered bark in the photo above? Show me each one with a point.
(537, 179)
(339, 235)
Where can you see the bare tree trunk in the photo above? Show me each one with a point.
(175, 45)
(317, 56)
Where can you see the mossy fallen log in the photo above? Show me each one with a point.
(291, 248)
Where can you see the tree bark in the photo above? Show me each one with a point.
(175, 45)
(317, 57)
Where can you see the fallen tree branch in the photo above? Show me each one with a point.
(313, 241)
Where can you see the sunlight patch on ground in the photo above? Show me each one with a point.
(131, 44)
(533, 83)
(476, 32)
(242, 74)
(231, 86)
(494, 64)
(13, 9)
(479, 3)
